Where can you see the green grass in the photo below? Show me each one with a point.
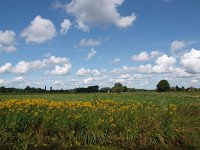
(159, 98)
(122, 123)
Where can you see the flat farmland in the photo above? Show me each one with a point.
(168, 97)
(138, 120)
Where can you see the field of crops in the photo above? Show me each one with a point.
(146, 120)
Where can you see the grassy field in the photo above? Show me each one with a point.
(140, 120)
(159, 98)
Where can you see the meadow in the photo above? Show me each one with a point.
(138, 120)
(151, 96)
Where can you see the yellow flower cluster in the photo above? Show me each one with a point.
(172, 107)
(41, 103)
(105, 107)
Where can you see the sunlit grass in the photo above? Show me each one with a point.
(156, 97)
(122, 124)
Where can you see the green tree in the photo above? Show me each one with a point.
(118, 85)
(2, 89)
(183, 88)
(118, 88)
(163, 86)
(125, 89)
(94, 88)
(178, 88)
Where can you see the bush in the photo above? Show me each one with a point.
(118, 88)
(163, 86)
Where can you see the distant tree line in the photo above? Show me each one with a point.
(25, 90)
(89, 89)
(162, 86)
(117, 88)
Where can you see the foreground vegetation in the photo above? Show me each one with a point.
(37, 124)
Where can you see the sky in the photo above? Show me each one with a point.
(79, 43)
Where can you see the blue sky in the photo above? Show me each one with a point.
(77, 43)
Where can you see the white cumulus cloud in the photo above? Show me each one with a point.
(127, 21)
(51, 60)
(130, 77)
(18, 79)
(21, 67)
(85, 72)
(39, 31)
(2, 82)
(145, 68)
(80, 25)
(123, 70)
(102, 12)
(178, 45)
(155, 54)
(89, 80)
(65, 26)
(143, 56)
(58, 83)
(94, 80)
(6, 68)
(164, 64)
(61, 70)
(181, 73)
(7, 41)
(56, 60)
(125, 76)
(191, 61)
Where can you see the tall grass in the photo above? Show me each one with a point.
(25, 124)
